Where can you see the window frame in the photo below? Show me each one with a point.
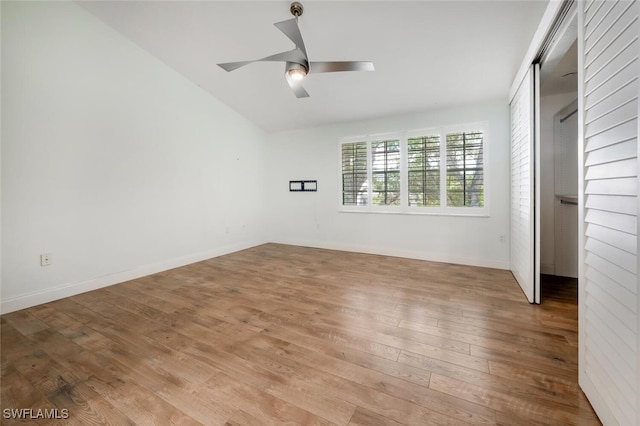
(404, 207)
(370, 207)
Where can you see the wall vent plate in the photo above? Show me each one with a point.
(303, 185)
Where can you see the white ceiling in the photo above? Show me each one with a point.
(427, 54)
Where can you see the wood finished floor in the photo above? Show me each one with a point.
(283, 334)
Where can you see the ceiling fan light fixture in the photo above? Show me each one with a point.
(297, 62)
(297, 72)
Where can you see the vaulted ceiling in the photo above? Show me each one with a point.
(427, 54)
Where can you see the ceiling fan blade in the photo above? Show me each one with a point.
(317, 67)
(294, 55)
(290, 29)
(230, 66)
(296, 86)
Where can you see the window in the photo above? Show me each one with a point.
(423, 170)
(436, 171)
(385, 172)
(465, 185)
(354, 174)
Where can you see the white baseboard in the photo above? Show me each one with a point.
(67, 290)
(433, 257)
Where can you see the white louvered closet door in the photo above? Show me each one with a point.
(609, 299)
(523, 208)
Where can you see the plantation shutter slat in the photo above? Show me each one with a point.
(613, 203)
(614, 169)
(624, 240)
(619, 151)
(622, 132)
(620, 222)
(622, 186)
(619, 275)
(620, 294)
(614, 295)
(612, 253)
(609, 363)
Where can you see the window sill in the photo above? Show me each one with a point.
(483, 213)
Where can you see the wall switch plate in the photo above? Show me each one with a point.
(45, 259)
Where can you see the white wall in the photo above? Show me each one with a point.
(120, 167)
(313, 219)
(111, 161)
(549, 107)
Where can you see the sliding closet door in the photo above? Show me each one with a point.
(609, 298)
(525, 240)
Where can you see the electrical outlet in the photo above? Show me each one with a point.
(502, 238)
(45, 259)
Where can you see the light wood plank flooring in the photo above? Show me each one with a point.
(284, 334)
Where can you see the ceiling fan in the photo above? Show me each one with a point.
(297, 61)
